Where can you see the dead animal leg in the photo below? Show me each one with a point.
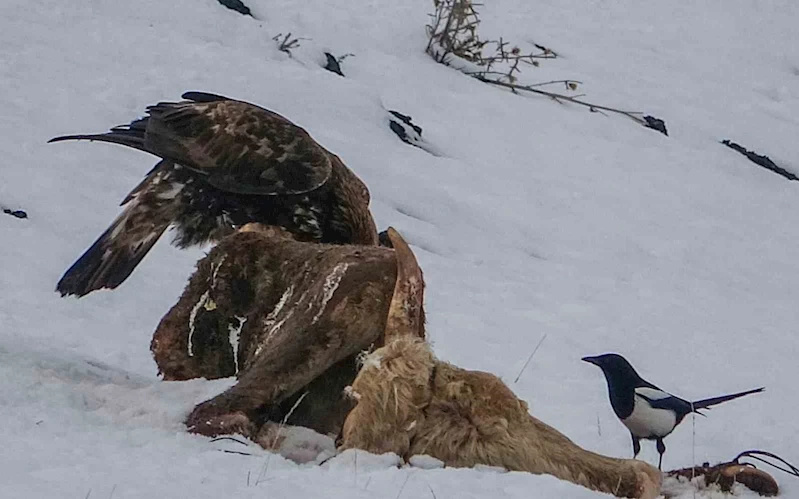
(305, 346)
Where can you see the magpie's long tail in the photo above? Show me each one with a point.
(131, 135)
(705, 403)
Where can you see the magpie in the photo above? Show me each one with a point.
(646, 410)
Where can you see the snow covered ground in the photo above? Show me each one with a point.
(536, 219)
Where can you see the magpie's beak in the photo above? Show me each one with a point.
(590, 360)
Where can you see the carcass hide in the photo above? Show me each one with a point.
(286, 318)
(289, 319)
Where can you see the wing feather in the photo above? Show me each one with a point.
(659, 399)
(241, 147)
(652, 393)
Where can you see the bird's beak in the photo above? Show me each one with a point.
(590, 360)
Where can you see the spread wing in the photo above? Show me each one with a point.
(238, 147)
(241, 147)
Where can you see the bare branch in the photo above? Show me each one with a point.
(634, 115)
(287, 43)
(453, 41)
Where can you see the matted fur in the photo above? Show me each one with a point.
(286, 317)
(408, 402)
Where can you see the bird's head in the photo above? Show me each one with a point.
(613, 365)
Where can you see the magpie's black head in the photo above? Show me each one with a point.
(614, 366)
(622, 381)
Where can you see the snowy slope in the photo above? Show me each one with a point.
(537, 219)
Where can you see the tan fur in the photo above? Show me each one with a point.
(408, 402)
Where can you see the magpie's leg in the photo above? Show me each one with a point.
(661, 449)
(636, 445)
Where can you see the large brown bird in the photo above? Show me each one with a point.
(224, 163)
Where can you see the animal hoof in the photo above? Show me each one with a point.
(224, 424)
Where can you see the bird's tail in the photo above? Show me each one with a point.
(113, 256)
(705, 403)
(131, 135)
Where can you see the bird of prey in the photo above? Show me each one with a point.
(224, 163)
(646, 410)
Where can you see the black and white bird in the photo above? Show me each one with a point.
(646, 410)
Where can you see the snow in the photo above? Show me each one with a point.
(234, 334)
(535, 218)
(425, 462)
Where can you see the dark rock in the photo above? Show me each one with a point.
(15, 213)
(410, 133)
(760, 160)
(237, 5)
(405, 129)
(333, 64)
(656, 124)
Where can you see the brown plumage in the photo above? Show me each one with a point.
(224, 163)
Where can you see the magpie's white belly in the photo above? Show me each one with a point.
(646, 422)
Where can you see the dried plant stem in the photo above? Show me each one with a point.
(634, 115)
(453, 41)
(530, 357)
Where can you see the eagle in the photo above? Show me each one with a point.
(223, 163)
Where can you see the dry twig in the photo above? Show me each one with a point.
(287, 43)
(453, 41)
(595, 108)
